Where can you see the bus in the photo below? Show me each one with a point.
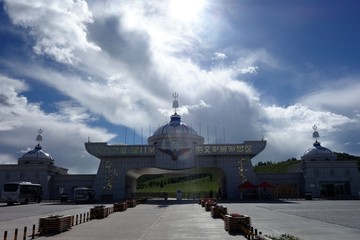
(84, 195)
(21, 192)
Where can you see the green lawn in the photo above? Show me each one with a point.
(198, 185)
(201, 185)
(278, 167)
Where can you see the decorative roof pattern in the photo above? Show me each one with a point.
(175, 126)
(37, 155)
(37, 152)
(175, 132)
(318, 149)
(318, 152)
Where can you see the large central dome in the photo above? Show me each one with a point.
(175, 129)
(175, 126)
(175, 143)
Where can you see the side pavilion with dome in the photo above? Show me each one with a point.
(326, 176)
(36, 166)
(174, 148)
(319, 174)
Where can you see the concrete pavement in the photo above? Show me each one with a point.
(309, 220)
(153, 221)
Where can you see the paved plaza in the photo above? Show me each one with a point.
(309, 220)
(306, 219)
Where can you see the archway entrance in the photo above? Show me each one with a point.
(175, 149)
(187, 184)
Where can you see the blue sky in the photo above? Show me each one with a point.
(106, 70)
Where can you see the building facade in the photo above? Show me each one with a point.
(36, 166)
(176, 149)
(319, 175)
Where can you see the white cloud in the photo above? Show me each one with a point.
(70, 111)
(144, 58)
(341, 96)
(289, 130)
(58, 27)
(249, 69)
(299, 117)
(7, 159)
(63, 136)
(184, 109)
(219, 56)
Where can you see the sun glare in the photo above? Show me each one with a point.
(186, 10)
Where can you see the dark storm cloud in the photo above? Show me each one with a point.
(128, 46)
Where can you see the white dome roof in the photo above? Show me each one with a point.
(176, 129)
(175, 126)
(318, 152)
(36, 156)
(37, 152)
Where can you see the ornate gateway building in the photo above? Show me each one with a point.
(177, 149)
(174, 148)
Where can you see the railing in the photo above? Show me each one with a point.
(75, 220)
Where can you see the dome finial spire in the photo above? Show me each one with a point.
(175, 102)
(315, 133)
(39, 137)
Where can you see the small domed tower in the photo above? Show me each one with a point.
(37, 155)
(318, 152)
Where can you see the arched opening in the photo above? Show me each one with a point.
(188, 183)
